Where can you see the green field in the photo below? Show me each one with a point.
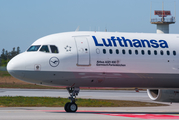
(60, 102)
(4, 73)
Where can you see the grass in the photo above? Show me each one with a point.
(26, 86)
(4, 74)
(20, 101)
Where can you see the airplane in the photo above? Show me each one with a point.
(102, 59)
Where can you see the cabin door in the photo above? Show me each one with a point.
(83, 51)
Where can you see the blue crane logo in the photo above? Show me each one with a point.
(54, 61)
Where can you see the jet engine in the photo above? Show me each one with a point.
(163, 95)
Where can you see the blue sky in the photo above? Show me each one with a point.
(24, 21)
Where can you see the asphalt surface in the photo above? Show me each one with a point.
(93, 94)
(87, 113)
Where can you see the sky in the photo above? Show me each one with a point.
(24, 21)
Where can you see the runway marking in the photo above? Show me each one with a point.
(145, 116)
(141, 116)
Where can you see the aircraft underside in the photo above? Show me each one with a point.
(99, 79)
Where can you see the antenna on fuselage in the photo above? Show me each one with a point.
(77, 29)
(106, 28)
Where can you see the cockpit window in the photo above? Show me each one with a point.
(33, 48)
(54, 49)
(44, 48)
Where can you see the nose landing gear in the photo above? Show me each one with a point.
(72, 106)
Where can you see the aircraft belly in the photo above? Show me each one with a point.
(99, 79)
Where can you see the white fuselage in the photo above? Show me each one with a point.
(101, 59)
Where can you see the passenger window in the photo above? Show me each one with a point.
(155, 52)
(33, 48)
(142, 52)
(97, 50)
(174, 52)
(123, 51)
(130, 52)
(161, 52)
(44, 48)
(136, 52)
(168, 52)
(110, 51)
(149, 52)
(54, 49)
(117, 51)
(104, 51)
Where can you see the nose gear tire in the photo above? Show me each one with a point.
(71, 107)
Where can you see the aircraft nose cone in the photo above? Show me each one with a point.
(14, 67)
(11, 65)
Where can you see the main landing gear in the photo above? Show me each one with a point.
(72, 106)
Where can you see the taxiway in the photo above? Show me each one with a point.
(87, 113)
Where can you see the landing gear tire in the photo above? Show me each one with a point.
(66, 107)
(71, 107)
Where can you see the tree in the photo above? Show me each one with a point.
(18, 50)
(3, 54)
(6, 56)
(13, 53)
(4, 62)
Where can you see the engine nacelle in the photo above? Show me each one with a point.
(163, 95)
